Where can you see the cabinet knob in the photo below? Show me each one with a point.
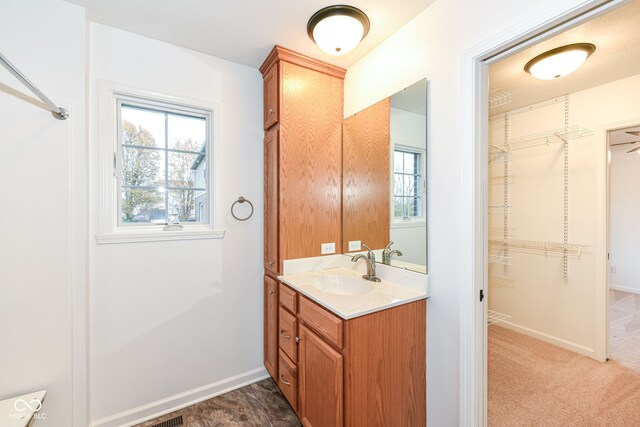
(271, 263)
(271, 111)
(288, 337)
(284, 380)
(298, 339)
(271, 292)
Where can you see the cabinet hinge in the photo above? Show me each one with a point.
(481, 295)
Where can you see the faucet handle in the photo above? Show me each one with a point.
(388, 247)
(371, 255)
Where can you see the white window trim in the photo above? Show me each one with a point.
(396, 222)
(109, 231)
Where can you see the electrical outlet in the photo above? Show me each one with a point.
(355, 245)
(328, 248)
(612, 269)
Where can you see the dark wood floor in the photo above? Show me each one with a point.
(256, 405)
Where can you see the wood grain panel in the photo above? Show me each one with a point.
(321, 387)
(271, 260)
(288, 331)
(310, 160)
(288, 380)
(288, 298)
(270, 90)
(385, 374)
(271, 326)
(325, 323)
(366, 176)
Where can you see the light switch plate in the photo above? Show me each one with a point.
(355, 245)
(328, 248)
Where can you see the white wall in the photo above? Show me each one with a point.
(432, 46)
(43, 210)
(176, 321)
(410, 130)
(624, 219)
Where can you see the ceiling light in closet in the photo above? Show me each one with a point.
(560, 61)
(338, 29)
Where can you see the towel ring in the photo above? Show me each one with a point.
(242, 200)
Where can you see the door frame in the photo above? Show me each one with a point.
(561, 16)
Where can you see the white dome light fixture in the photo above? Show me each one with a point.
(560, 61)
(338, 29)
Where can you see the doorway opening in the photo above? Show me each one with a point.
(547, 330)
(624, 235)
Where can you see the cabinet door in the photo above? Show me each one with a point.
(271, 261)
(271, 326)
(320, 370)
(271, 97)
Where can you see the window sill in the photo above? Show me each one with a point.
(157, 235)
(409, 224)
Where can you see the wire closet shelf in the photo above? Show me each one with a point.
(542, 247)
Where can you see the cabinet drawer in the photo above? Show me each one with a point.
(287, 334)
(288, 380)
(288, 298)
(325, 323)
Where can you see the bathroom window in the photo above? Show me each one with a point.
(160, 173)
(408, 183)
(162, 164)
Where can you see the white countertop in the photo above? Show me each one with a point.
(20, 410)
(385, 294)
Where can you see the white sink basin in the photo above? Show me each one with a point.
(341, 285)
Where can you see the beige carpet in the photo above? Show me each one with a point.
(532, 383)
(624, 329)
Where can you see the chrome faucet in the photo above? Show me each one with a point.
(370, 258)
(388, 253)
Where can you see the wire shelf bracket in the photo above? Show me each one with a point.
(494, 317)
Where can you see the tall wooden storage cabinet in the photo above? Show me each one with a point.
(302, 169)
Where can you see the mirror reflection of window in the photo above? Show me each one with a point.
(407, 183)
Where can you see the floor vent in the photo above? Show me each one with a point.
(173, 422)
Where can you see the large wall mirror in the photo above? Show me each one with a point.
(384, 179)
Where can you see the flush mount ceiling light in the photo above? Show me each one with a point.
(338, 29)
(560, 61)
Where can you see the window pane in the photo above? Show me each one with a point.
(182, 205)
(414, 206)
(397, 184)
(398, 207)
(187, 133)
(142, 167)
(397, 161)
(141, 205)
(409, 185)
(183, 168)
(410, 163)
(142, 127)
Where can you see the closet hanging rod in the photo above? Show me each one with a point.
(58, 112)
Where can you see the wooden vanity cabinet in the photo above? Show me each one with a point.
(361, 372)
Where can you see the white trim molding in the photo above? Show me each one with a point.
(173, 403)
(625, 289)
(109, 231)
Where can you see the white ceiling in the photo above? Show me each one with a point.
(412, 98)
(621, 136)
(617, 39)
(244, 31)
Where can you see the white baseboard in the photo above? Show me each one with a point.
(181, 400)
(624, 289)
(559, 342)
